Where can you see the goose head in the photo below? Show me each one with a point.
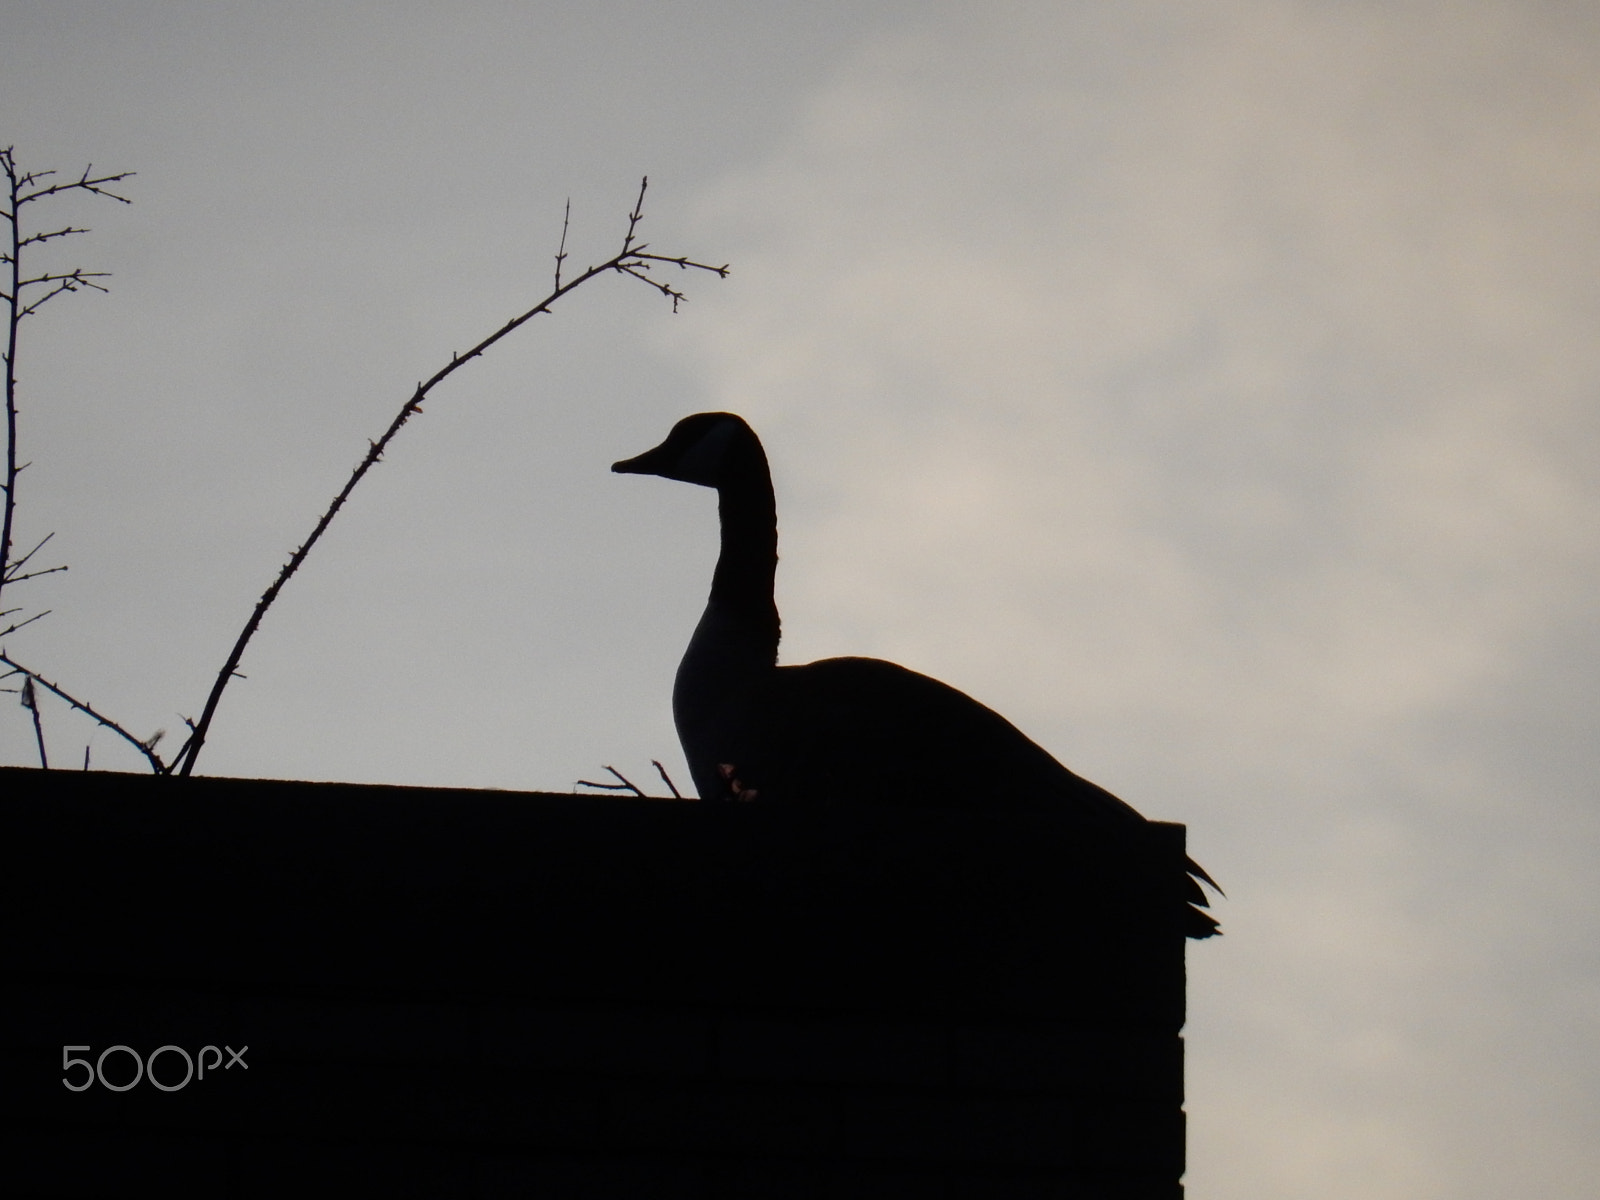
(711, 449)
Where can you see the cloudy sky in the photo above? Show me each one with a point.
(1212, 388)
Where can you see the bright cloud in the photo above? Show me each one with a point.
(1215, 395)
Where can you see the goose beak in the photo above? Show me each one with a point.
(651, 462)
(656, 461)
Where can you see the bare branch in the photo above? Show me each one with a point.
(23, 188)
(68, 283)
(624, 262)
(13, 577)
(85, 184)
(625, 781)
(45, 237)
(30, 701)
(156, 765)
(76, 275)
(30, 178)
(624, 784)
(16, 625)
(23, 561)
(666, 779)
(635, 217)
(561, 250)
(635, 269)
(684, 263)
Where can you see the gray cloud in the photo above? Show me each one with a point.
(1215, 395)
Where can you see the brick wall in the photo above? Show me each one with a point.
(499, 994)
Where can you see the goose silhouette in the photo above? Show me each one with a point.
(840, 730)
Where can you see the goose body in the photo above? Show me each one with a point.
(840, 730)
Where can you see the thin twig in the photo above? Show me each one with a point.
(31, 575)
(624, 784)
(83, 184)
(64, 283)
(561, 250)
(23, 561)
(147, 748)
(625, 781)
(666, 779)
(623, 262)
(16, 625)
(15, 574)
(30, 701)
(32, 239)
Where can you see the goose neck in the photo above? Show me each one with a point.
(748, 563)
